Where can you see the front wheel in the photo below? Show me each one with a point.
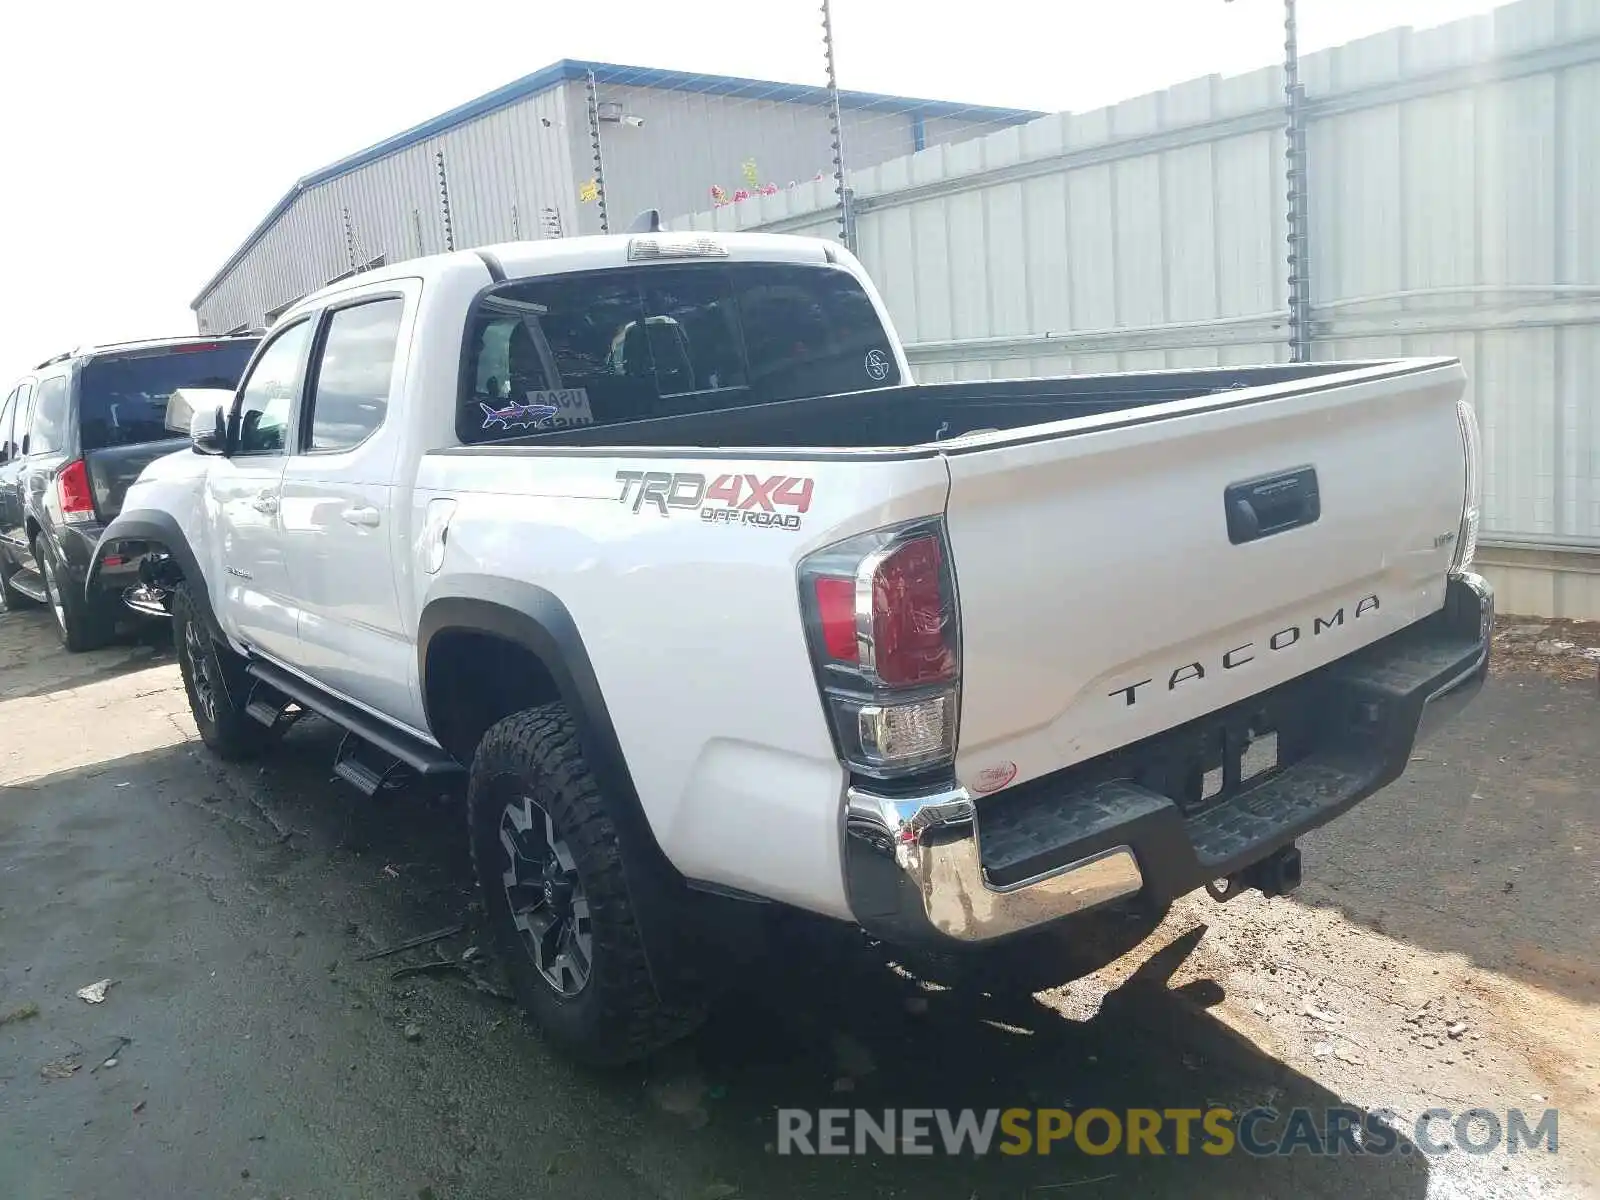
(214, 678)
(550, 867)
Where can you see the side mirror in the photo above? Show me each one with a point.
(208, 431)
(184, 403)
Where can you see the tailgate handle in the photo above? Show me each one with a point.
(1269, 504)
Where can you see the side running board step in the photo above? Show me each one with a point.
(366, 768)
(271, 707)
(29, 584)
(418, 756)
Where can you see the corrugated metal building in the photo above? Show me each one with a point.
(519, 163)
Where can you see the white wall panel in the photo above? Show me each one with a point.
(1455, 180)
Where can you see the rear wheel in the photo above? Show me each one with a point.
(550, 867)
(214, 678)
(82, 623)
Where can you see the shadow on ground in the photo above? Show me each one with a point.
(1487, 846)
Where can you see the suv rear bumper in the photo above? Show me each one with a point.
(941, 869)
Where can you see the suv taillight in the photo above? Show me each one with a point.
(72, 491)
(881, 617)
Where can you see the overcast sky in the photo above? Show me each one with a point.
(142, 142)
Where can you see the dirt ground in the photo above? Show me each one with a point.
(1442, 952)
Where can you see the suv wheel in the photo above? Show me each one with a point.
(80, 623)
(550, 869)
(214, 678)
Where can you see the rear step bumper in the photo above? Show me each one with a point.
(942, 869)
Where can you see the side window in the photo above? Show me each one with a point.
(351, 393)
(267, 398)
(47, 430)
(8, 415)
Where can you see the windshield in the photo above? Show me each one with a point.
(122, 400)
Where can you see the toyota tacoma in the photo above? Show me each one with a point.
(654, 541)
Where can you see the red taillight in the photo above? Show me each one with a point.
(909, 619)
(836, 610)
(72, 489)
(891, 686)
(195, 348)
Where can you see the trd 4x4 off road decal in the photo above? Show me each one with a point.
(723, 500)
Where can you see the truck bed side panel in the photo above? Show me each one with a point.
(693, 628)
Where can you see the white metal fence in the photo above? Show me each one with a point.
(1455, 209)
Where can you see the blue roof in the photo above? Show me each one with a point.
(568, 70)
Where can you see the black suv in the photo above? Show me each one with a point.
(74, 434)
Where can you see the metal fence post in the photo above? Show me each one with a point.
(847, 223)
(1299, 196)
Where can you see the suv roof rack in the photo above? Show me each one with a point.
(97, 347)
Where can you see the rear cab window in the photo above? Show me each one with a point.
(122, 398)
(606, 347)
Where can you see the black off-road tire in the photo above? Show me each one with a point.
(82, 622)
(616, 1016)
(208, 666)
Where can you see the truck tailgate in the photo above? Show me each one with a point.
(1107, 594)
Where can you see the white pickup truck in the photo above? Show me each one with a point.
(654, 540)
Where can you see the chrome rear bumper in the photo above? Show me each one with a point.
(915, 865)
(915, 875)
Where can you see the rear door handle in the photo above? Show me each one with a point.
(265, 502)
(361, 514)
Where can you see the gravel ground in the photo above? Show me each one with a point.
(1442, 952)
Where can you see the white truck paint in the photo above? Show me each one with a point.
(1080, 593)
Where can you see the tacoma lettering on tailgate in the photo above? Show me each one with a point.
(1247, 652)
(728, 499)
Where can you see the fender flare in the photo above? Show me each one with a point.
(537, 620)
(161, 528)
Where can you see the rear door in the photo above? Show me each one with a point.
(46, 436)
(339, 533)
(10, 476)
(1110, 590)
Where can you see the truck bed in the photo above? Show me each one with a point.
(919, 415)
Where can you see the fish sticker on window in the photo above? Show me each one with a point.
(528, 416)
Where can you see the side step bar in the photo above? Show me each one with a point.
(28, 583)
(417, 756)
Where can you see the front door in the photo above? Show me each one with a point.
(339, 530)
(255, 601)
